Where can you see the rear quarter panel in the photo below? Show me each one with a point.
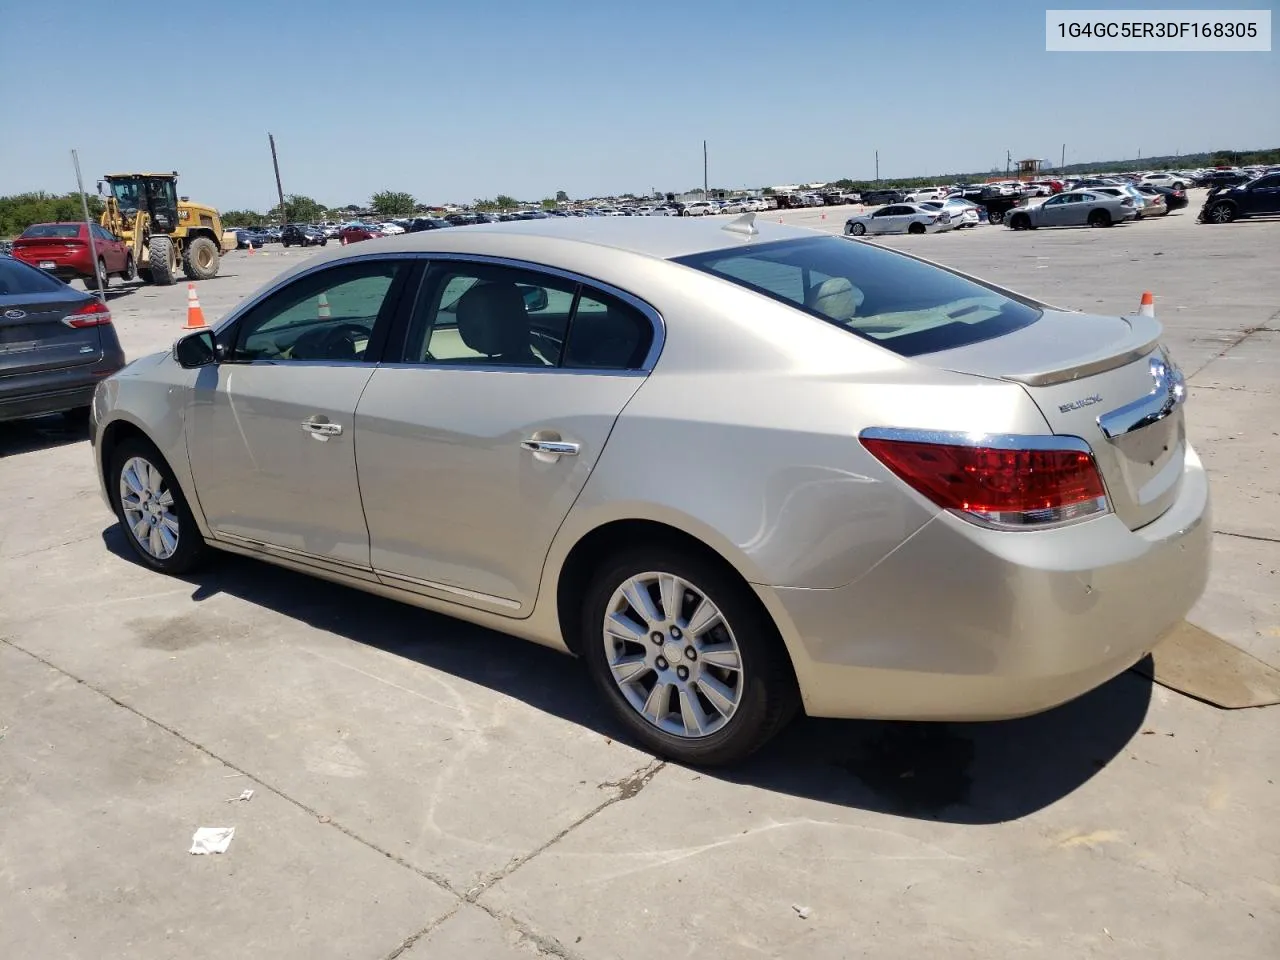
(745, 436)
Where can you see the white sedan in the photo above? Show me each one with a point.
(962, 212)
(899, 218)
(390, 229)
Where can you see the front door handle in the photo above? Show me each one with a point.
(557, 448)
(321, 430)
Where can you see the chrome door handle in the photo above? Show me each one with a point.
(556, 447)
(323, 430)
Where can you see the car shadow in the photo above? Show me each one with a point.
(965, 773)
(41, 433)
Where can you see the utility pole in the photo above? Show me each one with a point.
(284, 213)
(706, 194)
(1008, 161)
(877, 166)
(1063, 165)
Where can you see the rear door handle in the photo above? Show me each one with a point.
(321, 430)
(559, 448)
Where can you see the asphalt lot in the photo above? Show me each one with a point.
(424, 788)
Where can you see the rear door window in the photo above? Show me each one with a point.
(902, 304)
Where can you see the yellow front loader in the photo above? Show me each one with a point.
(162, 230)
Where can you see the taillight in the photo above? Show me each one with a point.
(1011, 482)
(95, 313)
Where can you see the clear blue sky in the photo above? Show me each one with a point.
(453, 101)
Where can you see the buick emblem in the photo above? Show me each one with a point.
(14, 314)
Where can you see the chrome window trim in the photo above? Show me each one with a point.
(1000, 441)
(651, 314)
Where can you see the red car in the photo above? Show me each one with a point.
(354, 233)
(62, 249)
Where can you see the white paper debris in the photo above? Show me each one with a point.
(211, 840)
(801, 912)
(244, 795)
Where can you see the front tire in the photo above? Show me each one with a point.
(686, 656)
(130, 268)
(157, 521)
(1221, 213)
(92, 284)
(164, 263)
(200, 259)
(916, 228)
(857, 229)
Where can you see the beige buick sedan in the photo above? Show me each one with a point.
(738, 469)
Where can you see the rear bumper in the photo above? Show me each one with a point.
(964, 623)
(52, 391)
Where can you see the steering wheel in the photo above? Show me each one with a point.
(352, 333)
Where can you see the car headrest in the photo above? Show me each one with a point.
(492, 320)
(836, 298)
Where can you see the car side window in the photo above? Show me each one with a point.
(326, 315)
(606, 334)
(473, 313)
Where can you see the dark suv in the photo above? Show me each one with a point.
(302, 235)
(1257, 198)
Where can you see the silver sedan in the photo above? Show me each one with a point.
(1075, 209)
(740, 470)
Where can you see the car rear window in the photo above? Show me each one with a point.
(16, 278)
(902, 304)
(39, 231)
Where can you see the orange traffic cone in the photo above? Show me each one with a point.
(322, 308)
(195, 315)
(1147, 308)
(344, 241)
(251, 248)
(824, 216)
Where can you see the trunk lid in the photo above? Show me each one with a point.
(54, 251)
(33, 336)
(1107, 381)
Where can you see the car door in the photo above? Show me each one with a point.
(475, 445)
(885, 219)
(270, 426)
(1053, 212)
(110, 249)
(1263, 197)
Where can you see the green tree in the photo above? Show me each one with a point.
(241, 218)
(21, 210)
(484, 206)
(562, 197)
(549, 204)
(393, 203)
(767, 191)
(298, 209)
(506, 203)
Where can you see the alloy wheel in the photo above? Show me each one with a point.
(673, 655)
(149, 511)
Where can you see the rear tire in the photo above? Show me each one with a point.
(742, 706)
(200, 259)
(103, 278)
(144, 274)
(164, 265)
(995, 216)
(1099, 218)
(129, 475)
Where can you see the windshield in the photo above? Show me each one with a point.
(127, 193)
(896, 301)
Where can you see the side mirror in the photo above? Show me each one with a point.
(535, 298)
(197, 349)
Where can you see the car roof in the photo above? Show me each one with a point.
(566, 240)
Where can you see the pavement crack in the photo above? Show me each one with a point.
(1245, 334)
(1247, 536)
(626, 788)
(409, 941)
(265, 784)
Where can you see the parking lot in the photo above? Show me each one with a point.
(424, 788)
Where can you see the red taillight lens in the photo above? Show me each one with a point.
(999, 486)
(95, 313)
